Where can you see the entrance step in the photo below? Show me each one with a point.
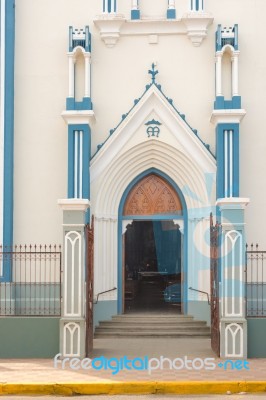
(155, 324)
(151, 326)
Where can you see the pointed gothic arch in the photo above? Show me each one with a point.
(152, 195)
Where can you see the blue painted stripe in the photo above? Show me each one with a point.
(220, 132)
(156, 217)
(228, 189)
(236, 161)
(77, 162)
(86, 163)
(71, 146)
(220, 161)
(86, 156)
(8, 199)
(86, 168)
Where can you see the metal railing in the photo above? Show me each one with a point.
(201, 291)
(30, 280)
(255, 282)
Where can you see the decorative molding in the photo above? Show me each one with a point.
(74, 204)
(73, 274)
(153, 129)
(197, 24)
(192, 24)
(153, 122)
(110, 26)
(112, 218)
(233, 337)
(74, 225)
(232, 203)
(154, 101)
(233, 272)
(73, 117)
(152, 89)
(231, 116)
(152, 195)
(230, 224)
(71, 339)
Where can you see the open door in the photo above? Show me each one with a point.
(89, 230)
(123, 271)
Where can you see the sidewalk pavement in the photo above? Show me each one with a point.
(46, 379)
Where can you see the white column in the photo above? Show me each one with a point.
(171, 4)
(219, 75)
(72, 322)
(71, 75)
(87, 90)
(233, 324)
(134, 5)
(105, 6)
(234, 60)
(192, 5)
(200, 5)
(112, 8)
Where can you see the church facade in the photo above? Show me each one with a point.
(142, 120)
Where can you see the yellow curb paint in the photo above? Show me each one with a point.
(187, 387)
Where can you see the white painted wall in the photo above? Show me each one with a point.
(119, 75)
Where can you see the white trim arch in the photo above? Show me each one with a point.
(77, 52)
(234, 70)
(128, 153)
(109, 186)
(150, 154)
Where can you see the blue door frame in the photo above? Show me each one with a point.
(156, 217)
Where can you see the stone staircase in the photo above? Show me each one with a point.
(152, 326)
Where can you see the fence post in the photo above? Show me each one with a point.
(233, 323)
(72, 322)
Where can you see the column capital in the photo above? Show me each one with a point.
(73, 117)
(74, 204)
(227, 116)
(230, 203)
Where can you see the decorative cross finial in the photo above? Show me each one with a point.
(153, 73)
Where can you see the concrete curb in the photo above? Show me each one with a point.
(154, 387)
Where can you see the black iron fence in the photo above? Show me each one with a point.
(255, 282)
(30, 280)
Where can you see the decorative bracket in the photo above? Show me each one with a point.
(197, 24)
(110, 27)
(193, 24)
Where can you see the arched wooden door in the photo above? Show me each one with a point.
(153, 203)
